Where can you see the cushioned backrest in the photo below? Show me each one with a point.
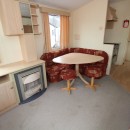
(89, 51)
(61, 52)
(48, 58)
(64, 51)
(78, 50)
(103, 54)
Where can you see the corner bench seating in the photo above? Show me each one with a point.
(53, 70)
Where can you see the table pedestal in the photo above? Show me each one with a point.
(79, 75)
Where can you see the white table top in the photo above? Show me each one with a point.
(10, 68)
(77, 58)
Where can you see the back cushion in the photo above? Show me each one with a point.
(89, 51)
(103, 54)
(78, 50)
(48, 58)
(64, 51)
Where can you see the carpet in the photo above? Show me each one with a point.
(106, 109)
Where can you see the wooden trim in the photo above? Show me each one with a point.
(44, 9)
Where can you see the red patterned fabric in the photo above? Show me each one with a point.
(89, 51)
(48, 58)
(64, 51)
(103, 54)
(95, 72)
(68, 74)
(57, 68)
(79, 50)
(102, 64)
(53, 70)
(54, 77)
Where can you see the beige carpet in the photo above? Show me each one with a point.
(121, 73)
(107, 108)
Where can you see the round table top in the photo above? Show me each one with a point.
(77, 58)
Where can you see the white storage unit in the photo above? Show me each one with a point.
(8, 96)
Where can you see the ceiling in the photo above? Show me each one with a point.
(63, 4)
(66, 4)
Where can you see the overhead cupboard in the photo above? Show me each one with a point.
(19, 17)
(11, 17)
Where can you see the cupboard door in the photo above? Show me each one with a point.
(7, 96)
(28, 47)
(10, 17)
(26, 17)
(3, 98)
(11, 94)
(19, 23)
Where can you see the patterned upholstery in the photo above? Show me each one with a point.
(68, 74)
(95, 72)
(53, 70)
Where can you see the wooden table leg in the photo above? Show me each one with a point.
(79, 75)
(69, 88)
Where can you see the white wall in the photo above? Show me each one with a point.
(10, 50)
(87, 25)
(119, 34)
(128, 52)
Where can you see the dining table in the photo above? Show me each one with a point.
(77, 59)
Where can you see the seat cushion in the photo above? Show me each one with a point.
(92, 71)
(54, 77)
(68, 74)
(57, 68)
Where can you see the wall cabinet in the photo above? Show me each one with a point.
(11, 17)
(19, 17)
(28, 47)
(7, 94)
(29, 17)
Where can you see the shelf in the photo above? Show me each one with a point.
(34, 15)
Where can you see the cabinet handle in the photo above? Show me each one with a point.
(21, 28)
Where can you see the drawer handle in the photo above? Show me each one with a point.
(11, 87)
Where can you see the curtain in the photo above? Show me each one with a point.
(47, 44)
(64, 31)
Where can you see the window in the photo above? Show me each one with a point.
(54, 22)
